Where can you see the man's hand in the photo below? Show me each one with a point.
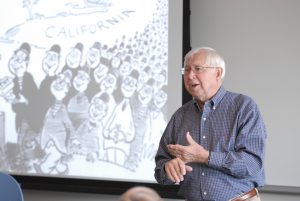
(192, 153)
(176, 169)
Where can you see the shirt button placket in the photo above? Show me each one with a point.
(204, 143)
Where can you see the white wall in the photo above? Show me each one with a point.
(260, 43)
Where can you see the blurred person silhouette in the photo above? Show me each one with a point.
(140, 193)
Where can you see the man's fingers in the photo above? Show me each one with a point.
(175, 150)
(173, 174)
(181, 168)
(189, 138)
(188, 168)
(176, 169)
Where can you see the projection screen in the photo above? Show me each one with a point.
(87, 87)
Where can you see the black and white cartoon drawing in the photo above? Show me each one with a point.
(85, 89)
(25, 91)
(58, 131)
(50, 65)
(120, 131)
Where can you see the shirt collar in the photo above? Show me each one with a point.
(216, 99)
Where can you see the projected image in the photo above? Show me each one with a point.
(83, 87)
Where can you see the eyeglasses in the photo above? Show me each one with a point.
(196, 69)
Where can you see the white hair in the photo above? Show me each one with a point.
(213, 58)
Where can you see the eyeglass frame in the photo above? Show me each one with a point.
(200, 69)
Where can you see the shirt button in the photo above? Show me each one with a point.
(204, 137)
(203, 174)
(214, 107)
(204, 118)
(204, 192)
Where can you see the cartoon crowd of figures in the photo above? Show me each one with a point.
(106, 104)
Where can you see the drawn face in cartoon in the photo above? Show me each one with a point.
(128, 86)
(104, 52)
(98, 109)
(145, 94)
(81, 81)
(18, 63)
(156, 68)
(161, 78)
(109, 54)
(143, 61)
(93, 57)
(50, 62)
(143, 78)
(73, 59)
(60, 86)
(109, 83)
(135, 64)
(100, 72)
(160, 98)
(116, 61)
(125, 68)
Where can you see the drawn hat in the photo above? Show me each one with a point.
(26, 48)
(55, 48)
(79, 46)
(97, 45)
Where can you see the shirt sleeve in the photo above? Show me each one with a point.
(246, 158)
(162, 155)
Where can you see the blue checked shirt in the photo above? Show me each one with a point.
(231, 127)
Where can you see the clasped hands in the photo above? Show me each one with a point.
(192, 153)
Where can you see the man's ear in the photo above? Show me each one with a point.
(219, 73)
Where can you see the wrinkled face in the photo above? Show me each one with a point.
(73, 59)
(128, 86)
(201, 85)
(93, 57)
(81, 81)
(50, 62)
(18, 63)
